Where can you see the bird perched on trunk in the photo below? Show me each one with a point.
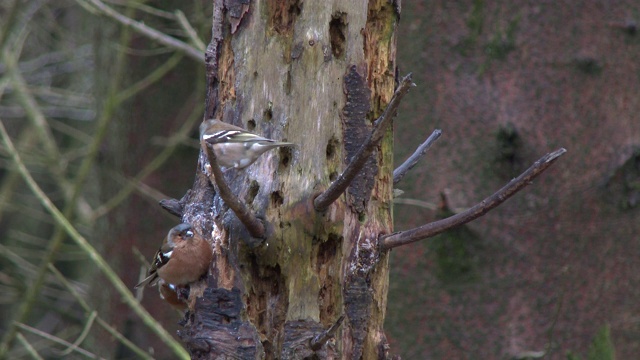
(233, 146)
(183, 258)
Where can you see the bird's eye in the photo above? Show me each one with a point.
(189, 233)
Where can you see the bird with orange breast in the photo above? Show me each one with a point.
(184, 257)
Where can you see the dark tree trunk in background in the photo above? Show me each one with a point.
(316, 74)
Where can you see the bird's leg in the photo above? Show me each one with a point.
(183, 292)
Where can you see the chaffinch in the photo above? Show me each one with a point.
(183, 258)
(233, 146)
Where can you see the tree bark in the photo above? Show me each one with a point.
(316, 74)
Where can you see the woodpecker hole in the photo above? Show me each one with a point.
(287, 84)
(333, 176)
(251, 125)
(268, 112)
(337, 29)
(253, 191)
(285, 157)
(326, 263)
(276, 198)
(331, 148)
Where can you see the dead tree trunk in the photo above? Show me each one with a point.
(317, 74)
(321, 75)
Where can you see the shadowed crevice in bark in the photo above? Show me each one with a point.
(298, 338)
(357, 303)
(356, 131)
(216, 328)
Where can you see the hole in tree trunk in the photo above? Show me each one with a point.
(337, 29)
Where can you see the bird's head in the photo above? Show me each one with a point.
(181, 232)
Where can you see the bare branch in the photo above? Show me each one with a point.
(30, 349)
(88, 310)
(425, 231)
(56, 339)
(147, 31)
(403, 169)
(186, 25)
(83, 335)
(341, 184)
(144, 8)
(323, 337)
(250, 221)
(156, 75)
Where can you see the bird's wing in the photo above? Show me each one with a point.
(233, 136)
(161, 258)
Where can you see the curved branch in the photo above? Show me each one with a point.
(403, 169)
(428, 230)
(341, 184)
(256, 227)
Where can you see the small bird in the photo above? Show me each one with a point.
(233, 146)
(182, 259)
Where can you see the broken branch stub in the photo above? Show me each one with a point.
(406, 166)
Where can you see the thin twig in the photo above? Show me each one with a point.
(436, 227)
(10, 18)
(156, 75)
(105, 325)
(95, 256)
(403, 169)
(416, 202)
(56, 340)
(144, 8)
(341, 184)
(191, 32)
(250, 221)
(30, 349)
(323, 337)
(31, 108)
(83, 334)
(147, 31)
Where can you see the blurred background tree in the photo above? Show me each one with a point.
(504, 80)
(104, 116)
